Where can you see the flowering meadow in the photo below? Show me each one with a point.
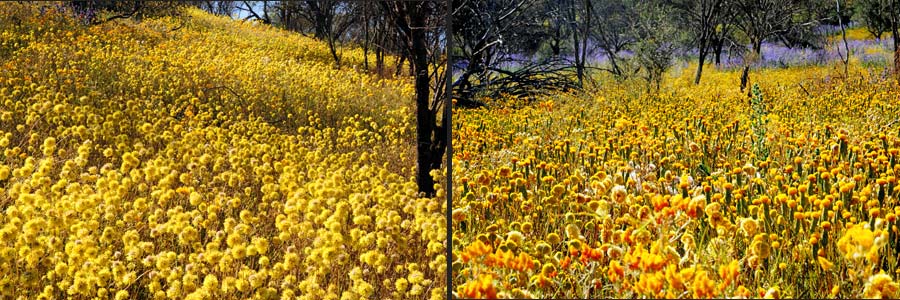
(695, 191)
(196, 157)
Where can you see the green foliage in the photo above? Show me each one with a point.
(759, 119)
(876, 15)
(657, 40)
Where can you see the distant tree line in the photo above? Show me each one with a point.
(529, 47)
(411, 33)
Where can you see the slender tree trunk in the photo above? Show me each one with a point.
(430, 138)
(379, 61)
(379, 45)
(720, 39)
(554, 45)
(585, 32)
(846, 59)
(576, 46)
(745, 75)
(895, 35)
(612, 61)
(399, 67)
(701, 60)
(720, 43)
(333, 48)
(430, 157)
(319, 18)
(366, 38)
(757, 49)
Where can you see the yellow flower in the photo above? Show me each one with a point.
(825, 263)
(881, 286)
(618, 193)
(856, 242)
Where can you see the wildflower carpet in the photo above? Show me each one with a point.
(196, 157)
(696, 191)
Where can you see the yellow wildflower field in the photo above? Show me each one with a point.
(196, 157)
(697, 191)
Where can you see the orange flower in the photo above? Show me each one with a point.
(483, 288)
(565, 262)
(703, 287)
(474, 250)
(677, 280)
(729, 272)
(616, 271)
(649, 284)
(506, 259)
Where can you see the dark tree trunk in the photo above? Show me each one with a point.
(720, 43)
(266, 18)
(896, 54)
(757, 49)
(554, 44)
(745, 75)
(379, 62)
(612, 61)
(380, 31)
(333, 47)
(894, 35)
(700, 61)
(366, 38)
(576, 46)
(430, 153)
(399, 67)
(320, 29)
(704, 49)
(410, 20)
(580, 42)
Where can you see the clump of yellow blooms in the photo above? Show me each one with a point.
(218, 160)
(663, 195)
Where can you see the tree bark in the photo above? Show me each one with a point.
(576, 46)
(401, 59)
(745, 75)
(703, 51)
(612, 61)
(718, 51)
(896, 54)
(319, 18)
(380, 31)
(554, 44)
(333, 47)
(700, 61)
(366, 38)
(895, 31)
(757, 49)
(429, 157)
(846, 59)
(410, 20)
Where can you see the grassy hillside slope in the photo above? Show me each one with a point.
(197, 157)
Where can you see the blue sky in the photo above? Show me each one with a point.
(241, 14)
